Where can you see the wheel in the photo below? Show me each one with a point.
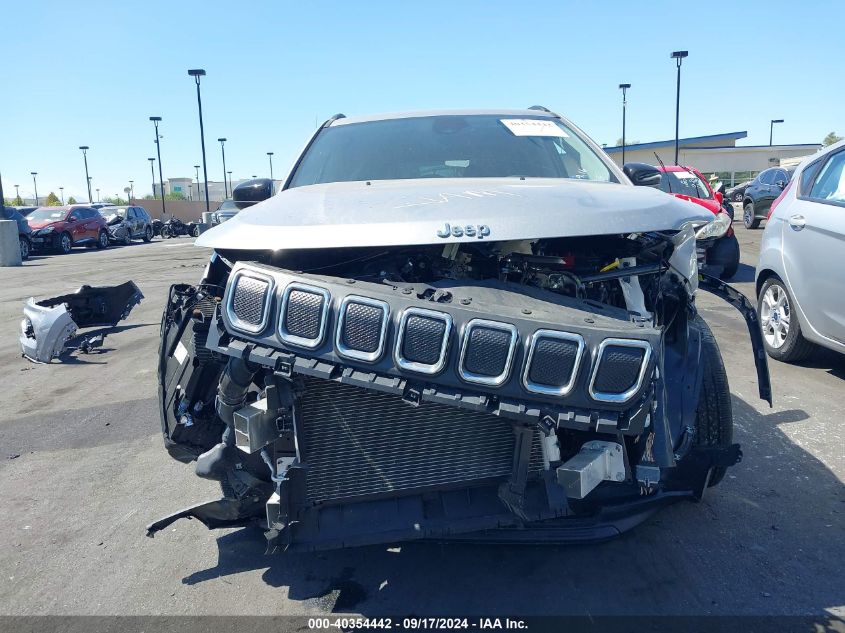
(725, 253)
(737, 197)
(165, 232)
(127, 239)
(714, 422)
(148, 234)
(195, 231)
(24, 247)
(782, 336)
(748, 218)
(103, 240)
(65, 243)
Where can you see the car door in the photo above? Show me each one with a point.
(91, 227)
(131, 222)
(764, 195)
(813, 246)
(75, 225)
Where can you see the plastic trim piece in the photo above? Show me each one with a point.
(343, 350)
(493, 381)
(422, 368)
(601, 396)
(546, 389)
(301, 341)
(268, 304)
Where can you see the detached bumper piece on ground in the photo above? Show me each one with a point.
(49, 325)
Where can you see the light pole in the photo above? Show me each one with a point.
(270, 154)
(196, 73)
(771, 126)
(85, 149)
(98, 195)
(131, 191)
(197, 170)
(223, 150)
(17, 192)
(153, 175)
(230, 182)
(62, 191)
(624, 88)
(155, 120)
(678, 56)
(35, 186)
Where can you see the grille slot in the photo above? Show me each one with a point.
(362, 328)
(619, 370)
(423, 340)
(487, 352)
(249, 302)
(304, 315)
(553, 361)
(357, 442)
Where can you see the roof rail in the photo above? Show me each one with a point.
(337, 116)
(541, 108)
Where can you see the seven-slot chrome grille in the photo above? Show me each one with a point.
(421, 341)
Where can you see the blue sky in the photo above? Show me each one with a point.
(91, 73)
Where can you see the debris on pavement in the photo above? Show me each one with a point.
(50, 324)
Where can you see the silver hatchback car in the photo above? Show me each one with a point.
(800, 277)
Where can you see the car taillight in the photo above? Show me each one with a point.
(778, 199)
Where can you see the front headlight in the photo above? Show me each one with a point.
(47, 230)
(717, 228)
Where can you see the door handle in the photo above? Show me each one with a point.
(797, 222)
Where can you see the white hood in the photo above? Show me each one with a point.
(413, 212)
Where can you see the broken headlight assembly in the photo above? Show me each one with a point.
(715, 229)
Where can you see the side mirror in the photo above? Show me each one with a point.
(642, 174)
(248, 193)
(719, 197)
(73, 218)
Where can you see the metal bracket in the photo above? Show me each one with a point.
(596, 462)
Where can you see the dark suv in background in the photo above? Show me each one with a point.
(762, 192)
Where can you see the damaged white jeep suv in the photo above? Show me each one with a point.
(452, 325)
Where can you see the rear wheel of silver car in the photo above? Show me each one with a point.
(65, 243)
(748, 218)
(24, 248)
(103, 240)
(714, 423)
(148, 234)
(781, 330)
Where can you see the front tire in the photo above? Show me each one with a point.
(103, 240)
(737, 197)
(195, 232)
(748, 218)
(782, 335)
(24, 247)
(148, 234)
(65, 243)
(714, 421)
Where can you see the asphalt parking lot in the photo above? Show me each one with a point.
(82, 471)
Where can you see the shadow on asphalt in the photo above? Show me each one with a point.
(757, 544)
(744, 273)
(822, 358)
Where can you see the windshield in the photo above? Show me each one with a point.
(46, 213)
(109, 212)
(686, 183)
(228, 205)
(454, 146)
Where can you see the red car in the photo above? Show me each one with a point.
(62, 228)
(717, 246)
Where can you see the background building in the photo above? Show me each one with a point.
(717, 153)
(193, 190)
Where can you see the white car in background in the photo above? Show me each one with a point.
(800, 277)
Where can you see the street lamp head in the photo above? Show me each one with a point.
(680, 54)
(155, 118)
(84, 147)
(34, 173)
(222, 139)
(624, 86)
(777, 120)
(151, 159)
(196, 72)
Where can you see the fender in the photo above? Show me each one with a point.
(749, 312)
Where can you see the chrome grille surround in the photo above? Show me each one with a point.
(255, 279)
(482, 379)
(644, 363)
(355, 354)
(549, 390)
(414, 366)
(301, 341)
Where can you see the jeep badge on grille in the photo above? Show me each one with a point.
(480, 231)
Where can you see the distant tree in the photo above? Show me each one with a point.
(831, 138)
(71, 200)
(52, 200)
(627, 142)
(17, 201)
(116, 200)
(175, 196)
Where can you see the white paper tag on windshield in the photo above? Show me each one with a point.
(180, 353)
(533, 127)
